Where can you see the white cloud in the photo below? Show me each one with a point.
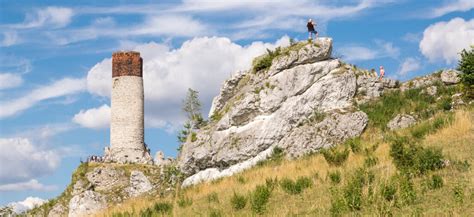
(412, 37)
(22, 161)
(409, 65)
(32, 185)
(9, 38)
(27, 204)
(95, 118)
(63, 87)
(9, 80)
(444, 40)
(173, 25)
(381, 49)
(451, 6)
(201, 63)
(50, 17)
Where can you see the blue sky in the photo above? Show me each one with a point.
(55, 64)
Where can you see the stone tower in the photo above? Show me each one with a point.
(127, 111)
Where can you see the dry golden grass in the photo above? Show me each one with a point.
(456, 140)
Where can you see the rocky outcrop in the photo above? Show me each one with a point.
(107, 178)
(302, 103)
(139, 184)
(401, 121)
(58, 210)
(86, 203)
(450, 76)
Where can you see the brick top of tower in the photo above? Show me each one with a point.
(126, 63)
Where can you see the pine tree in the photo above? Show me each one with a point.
(192, 108)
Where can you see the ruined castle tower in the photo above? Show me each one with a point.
(127, 111)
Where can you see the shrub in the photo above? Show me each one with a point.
(193, 136)
(259, 198)
(184, 201)
(461, 166)
(295, 187)
(445, 103)
(238, 201)
(264, 62)
(335, 177)
(458, 193)
(213, 197)
(334, 157)
(415, 159)
(435, 182)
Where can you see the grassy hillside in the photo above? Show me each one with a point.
(422, 170)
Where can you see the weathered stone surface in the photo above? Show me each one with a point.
(450, 76)
(431, 90)
(334, 129)
(401, 121)
(160, 159)
(105, 178)
(420, 82)
(58, 210)
(226, 92)
(274, 109)
(126, 63)
(312, 52)
(86, 204)
(139, 184)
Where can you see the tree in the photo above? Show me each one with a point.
(466, 66)
(192, 108)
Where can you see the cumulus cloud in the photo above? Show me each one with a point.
(24, 161)
(63, 87)
(27, 204)
(381, 49)
(451, 6)
(201, 63)
(444, 40)
(95, 118)
(409, 65)
(33, 184)
(10, 80)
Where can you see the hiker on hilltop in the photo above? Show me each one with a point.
(382, 72)
(311, 30)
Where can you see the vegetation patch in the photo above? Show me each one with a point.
(295, 187)
(335, 157)
(259, 198)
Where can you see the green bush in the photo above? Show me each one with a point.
(295, 187)
(276, 157)
(264, 62)
(407, 190)
(335, 177)
(415, 159)
(458, 193)
(445, 103)
(238, 201)
(259, 198)
(335, 157)
(435, 182)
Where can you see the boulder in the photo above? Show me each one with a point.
(58, 210)
(431, 90)
(401, 121)
(450, 76)
(139, 184)
(86, 204)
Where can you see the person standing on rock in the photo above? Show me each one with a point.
(382, 72)
(311, 30)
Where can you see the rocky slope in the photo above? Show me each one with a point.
(303, 102)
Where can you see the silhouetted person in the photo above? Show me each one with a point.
(311, 29)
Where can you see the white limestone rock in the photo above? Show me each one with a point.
(401, 121)
(450, 76)
(86, 204)
(58, 210)
(139, 184)
(227, 90)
